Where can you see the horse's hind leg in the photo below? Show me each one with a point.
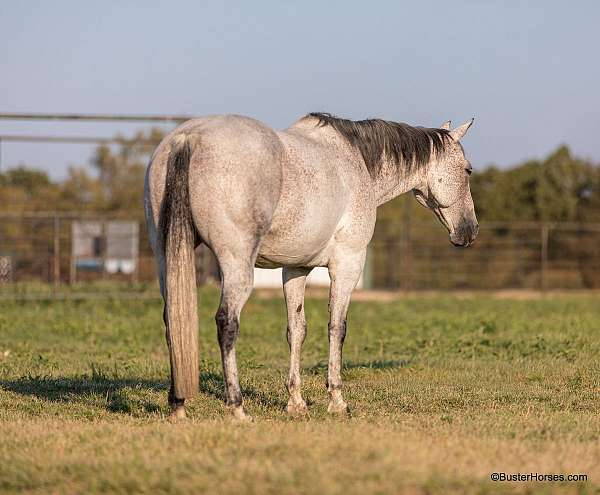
(294, 280)
(237, 277)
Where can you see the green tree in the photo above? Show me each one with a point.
(563, 182)
(121, 172)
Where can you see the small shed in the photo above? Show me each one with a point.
(109, 247)
(122, 245)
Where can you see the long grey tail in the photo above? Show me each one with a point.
(177, 233)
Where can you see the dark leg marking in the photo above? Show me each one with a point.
(227, 332)
(342, 330)
(292, 383)
(228, 329)
(174, 401)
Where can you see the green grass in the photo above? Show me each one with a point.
(443, 391)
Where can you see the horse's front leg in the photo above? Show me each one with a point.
(344, 271)
(294, 282)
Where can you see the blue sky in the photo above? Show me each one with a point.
(527, 71)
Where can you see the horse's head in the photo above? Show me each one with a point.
(445, 189)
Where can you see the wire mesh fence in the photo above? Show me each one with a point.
(64, 248)
(51, 248)
(505, 256)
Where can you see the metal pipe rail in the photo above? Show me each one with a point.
(94, 117)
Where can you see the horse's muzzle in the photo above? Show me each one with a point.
(465, 234)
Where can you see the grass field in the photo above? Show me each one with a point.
(443, 392)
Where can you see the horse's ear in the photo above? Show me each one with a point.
(446, 125)
(458, 132)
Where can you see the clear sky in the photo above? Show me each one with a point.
(528, 71)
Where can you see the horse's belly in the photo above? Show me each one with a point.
(301, 239)
(293, 250)
(275, 256)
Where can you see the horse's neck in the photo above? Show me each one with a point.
(387, 185)
(390, 184)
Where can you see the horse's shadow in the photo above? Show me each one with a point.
(134, 395)
(115, 394)
(120, 395)
(377, 364)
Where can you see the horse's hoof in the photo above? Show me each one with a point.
(240, 415)
(338, 408)
(177, 413)
(297, 409)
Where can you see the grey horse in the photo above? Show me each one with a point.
(299, 198)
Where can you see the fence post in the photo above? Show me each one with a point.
(104, 247)
(544, 257)
(56, 251)
(72, 259)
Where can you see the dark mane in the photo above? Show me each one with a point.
(376, 138)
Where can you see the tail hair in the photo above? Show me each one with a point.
(177, 236)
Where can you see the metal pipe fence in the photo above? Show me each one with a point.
(102, 117)
(79, 117)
